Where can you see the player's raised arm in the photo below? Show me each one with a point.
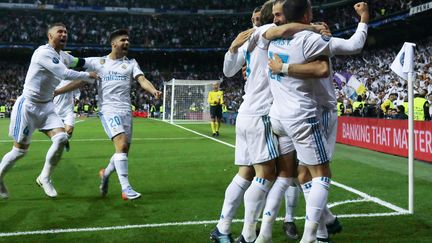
(234, 60)
(148, 86)
(316, 45)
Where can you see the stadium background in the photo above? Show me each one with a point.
(187, 40)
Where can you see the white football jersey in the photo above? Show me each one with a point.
(296, 98)
(325, 94)
(115, 84)
(64, 103)
(257, 99)
(47, 68)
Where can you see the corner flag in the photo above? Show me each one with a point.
(403, 66)
(404, 61)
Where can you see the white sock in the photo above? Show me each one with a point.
(291, 200)
(9, 160)
(273, 202)
(233, 198)
(54, 154)
(328, 216)
(121, 166)
(110, 167)
(322, 229)
(306, 187)
(315, 202)
(309, 233)
(254, 200)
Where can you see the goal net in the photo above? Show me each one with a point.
(186, 100)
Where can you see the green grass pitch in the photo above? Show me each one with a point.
(182, 177)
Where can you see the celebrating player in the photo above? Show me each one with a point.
(114, 102)
(295, 112)
(34, 109)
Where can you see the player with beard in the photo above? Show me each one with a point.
(34, 109)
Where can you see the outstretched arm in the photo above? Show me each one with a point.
(317, 45)
(146, 85)
(288, 30)
(354, 44)
(319, 68)
(72, 85)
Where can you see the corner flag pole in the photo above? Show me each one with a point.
(408, 67)
(410, 143)
(403, 65)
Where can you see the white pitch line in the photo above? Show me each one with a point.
(211, 138)
(371, 198)
(107, 139)
(140, 226)
(330, 205)
(350, 189)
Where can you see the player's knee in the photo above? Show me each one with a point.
(69, 132)
(303, 175)
(246, 172)
(60, 138)
(122, 147)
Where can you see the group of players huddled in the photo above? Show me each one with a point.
(285, 130)
(286, 126)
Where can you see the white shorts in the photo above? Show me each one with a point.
(286, 145)
(68, 118)
(255, 141)
(307, 138)
(116, 123)
(328, 120)
(28, 116)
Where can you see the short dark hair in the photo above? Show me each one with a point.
(257, 9)
(50, 26)
(267, 12)
(117, 33)
(294, 10)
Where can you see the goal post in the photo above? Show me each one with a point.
(185, 101)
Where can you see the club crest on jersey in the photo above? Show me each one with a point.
(55, 60)
(325, 37)
(102, 61)
(124, 66)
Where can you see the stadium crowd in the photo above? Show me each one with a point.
(163, 30)
(237, 5)
(372, 68)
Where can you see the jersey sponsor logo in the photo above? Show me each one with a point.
(113, 75)
(280, 42)
(325, 37)
(55, 60)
